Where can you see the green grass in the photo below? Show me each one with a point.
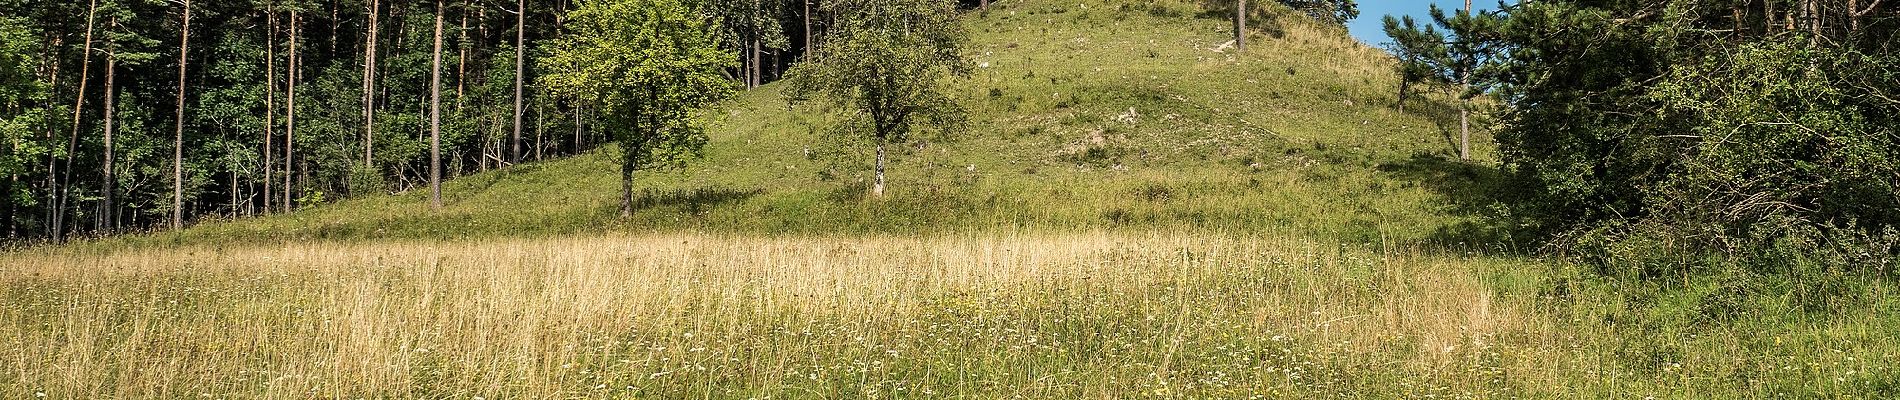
(1262, 224)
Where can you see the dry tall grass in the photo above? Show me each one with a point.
(691, 316)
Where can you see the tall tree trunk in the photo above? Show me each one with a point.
(461, 59)
(1464, 108)
(107, 221)
(540, 123)
(808, 43)
(1464, 129)
(757, 76)
(178, 135)
(72, 142)
(435, 115)
(290, 113)
(52, 158)
(270, 109)
(369, 89)
(521, 53)
(1768, 17)
(1240, 24)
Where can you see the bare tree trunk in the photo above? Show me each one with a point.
(1464, 108)
(877, 187)
(290, 112)
(1464, 129)
(72, 142)
(1240, 24)
(107, 221)
(757, 76)
(54, 55)
(435, 115)
(178, 135)
(461, 59)
(540, 124)
(626, 192)
(369, 89)
(1768, 17)
(808, 43)
(1404, 86)
(270, 109)
(521, 53)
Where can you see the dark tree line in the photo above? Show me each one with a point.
(139, 114)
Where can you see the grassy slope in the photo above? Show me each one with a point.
(1094, 114)
(1291, 139)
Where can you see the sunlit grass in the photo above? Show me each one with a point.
(670, 316)
(1056, 316)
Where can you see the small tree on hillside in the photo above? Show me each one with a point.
(1471, 48)
(1420, 51)
(887, 62)
(646, 65)
(1457, 52)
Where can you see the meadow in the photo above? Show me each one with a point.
(1132, 213)
(1099, 315)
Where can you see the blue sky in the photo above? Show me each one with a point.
(1369, 29)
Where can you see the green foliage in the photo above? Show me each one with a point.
(887, 65)
(647, 65)
(1638, 136)
(1420, 51)
(1335, 12)
(20, 90)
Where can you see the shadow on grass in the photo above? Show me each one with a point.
(1477, 193)
(693, 201)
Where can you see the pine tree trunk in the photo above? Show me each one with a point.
(521, 53)
(369, 89)
(1404, 86)
(1768, 17)
(435, 115)
(540, 124)
(461, 59)
(808, 43)
(1240, 24)
(1464, 129)
(107, 222)
(72, 142)
(757, 78)
(290, 113)
(270, 110)
(1464, 108)
(52, 159)
(178, 135)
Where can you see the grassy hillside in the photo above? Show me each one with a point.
(1134, 212)
(1084, 115)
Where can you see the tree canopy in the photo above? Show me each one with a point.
(885, 64)
(647, 65)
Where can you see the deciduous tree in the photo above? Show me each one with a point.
(647, 66)
(886, 65)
